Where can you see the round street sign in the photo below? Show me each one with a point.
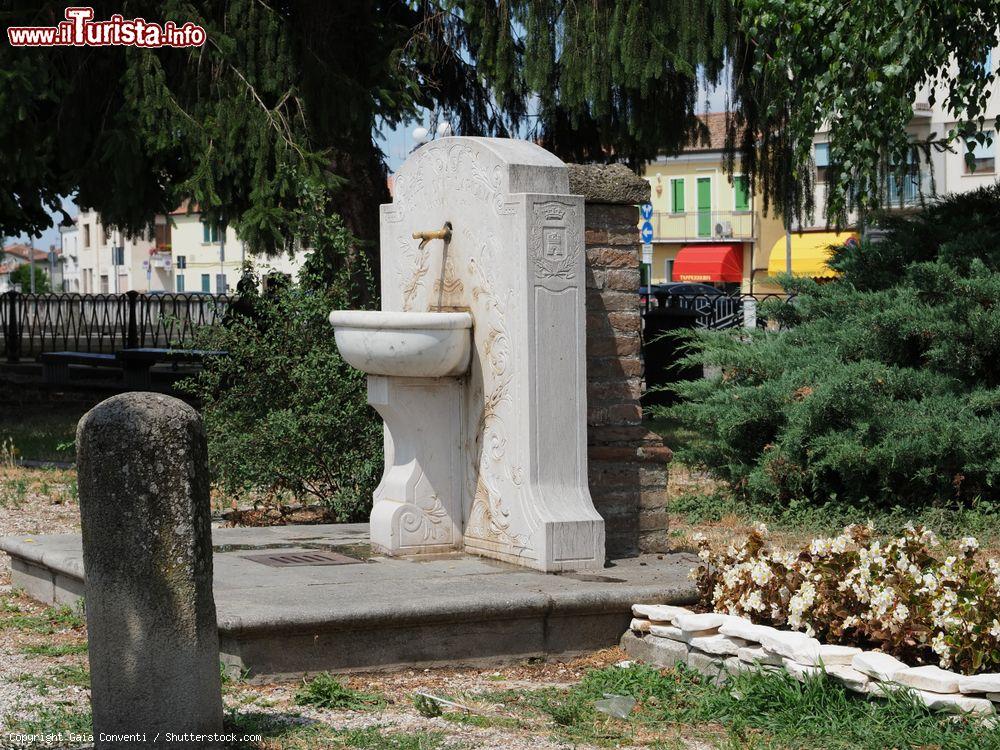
(646, 232)
(646, 211)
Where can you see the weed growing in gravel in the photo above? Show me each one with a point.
(54, 650)
(43, 719)
(48, 621)
(327, 691)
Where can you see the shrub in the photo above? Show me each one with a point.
(283, 412)
(884, 388)
(901, 595)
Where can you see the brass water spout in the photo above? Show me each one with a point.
(444, 233)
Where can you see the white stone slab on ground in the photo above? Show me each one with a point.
(800, 671)
(791, 645)
(878, 665)
(849, 677)
(706, 621)
(718, 645)
(659, 612)
(669, 631)
(639, 625)
(929, 678)
(828, 655)
(955, 703)
(758, 655)
(979, 683)
(740, 627)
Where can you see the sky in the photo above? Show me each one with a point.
(396, 144)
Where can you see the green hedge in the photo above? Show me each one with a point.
(885, 386)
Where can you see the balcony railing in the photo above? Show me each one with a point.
(694, 226)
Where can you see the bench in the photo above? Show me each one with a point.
(136, 363)
(55, 365)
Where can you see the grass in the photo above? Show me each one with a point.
(289, 734)
(49, 719)
(48, 621)
(42, 432)
(54, 650)
(753, 710)
(327, 691)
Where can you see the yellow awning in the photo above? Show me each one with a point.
(810, 252)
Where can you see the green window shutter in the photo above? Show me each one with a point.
(677, 203)
(742, 196)
(206, 233)
(206, 282)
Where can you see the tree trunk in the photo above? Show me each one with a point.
(357, 202)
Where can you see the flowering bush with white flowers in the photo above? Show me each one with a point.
(904, 595)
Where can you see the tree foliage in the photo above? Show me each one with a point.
(301, 86)
(859, 68)
(885, 388)
(22, 275)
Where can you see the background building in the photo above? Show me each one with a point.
(707, 229)
(69, 278)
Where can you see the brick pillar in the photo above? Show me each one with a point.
(628, 463)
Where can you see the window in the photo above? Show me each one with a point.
(206, 282)
(86, 235)
(104, 283)
(668, 270)
(210, 233)
(677, 195)
(107, 235)
(180, 283)
(822, 158)
(182, 261)
(118, 256)
(741, 196)
(220, 283)
(983, 155)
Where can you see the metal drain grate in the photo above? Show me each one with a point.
(290, 559)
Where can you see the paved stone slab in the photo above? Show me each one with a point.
(650, 649)
(930, 678)
(758, 655)
(718, 645)
(739, 627)
(995, 697)
(980, 683)
(800, 671)
(828, 655)
(791, 645)
(878, 665)
(659, 612)
(437, 610)
(955, 703)
(699, 622)
(668, 631)
(849, 677)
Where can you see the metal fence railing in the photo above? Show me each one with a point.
(34, 323)
(717, 312)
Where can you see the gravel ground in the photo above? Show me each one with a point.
(36, 501)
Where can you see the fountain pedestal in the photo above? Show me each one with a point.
(418, 503)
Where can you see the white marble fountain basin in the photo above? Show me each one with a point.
(404, 344)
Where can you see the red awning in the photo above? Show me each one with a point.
(709, 263)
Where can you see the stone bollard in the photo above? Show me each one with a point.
(142, 463)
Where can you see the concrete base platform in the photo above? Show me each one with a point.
(380, 612)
